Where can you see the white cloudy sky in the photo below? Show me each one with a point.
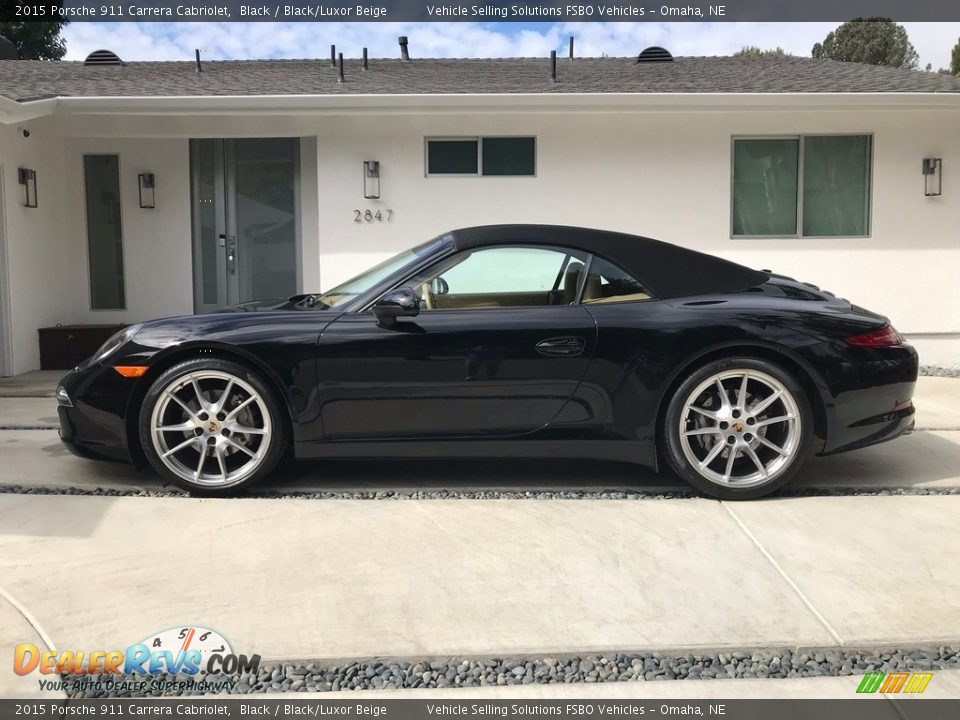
(176, 41)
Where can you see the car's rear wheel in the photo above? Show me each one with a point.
(738, 428)
(211, 426)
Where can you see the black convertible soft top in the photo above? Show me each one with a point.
(668, 271)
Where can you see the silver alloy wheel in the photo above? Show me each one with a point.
(740, 428)
(211, 428)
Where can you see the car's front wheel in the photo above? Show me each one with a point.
(737, 428)
(211, 426)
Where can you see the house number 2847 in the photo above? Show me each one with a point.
(362, 216)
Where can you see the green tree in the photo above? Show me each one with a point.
(36, 40)
(874, 41)
(754, 51)
(955, 60)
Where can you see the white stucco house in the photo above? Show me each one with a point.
(810, 168)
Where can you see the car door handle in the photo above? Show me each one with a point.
(561, 346)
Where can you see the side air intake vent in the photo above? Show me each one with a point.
(103, 57)
(655, 54)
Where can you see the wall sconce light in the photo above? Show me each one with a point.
(932, 176)
(148, 190)
(371, 179)
(28, 178)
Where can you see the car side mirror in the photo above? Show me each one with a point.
(402, 302)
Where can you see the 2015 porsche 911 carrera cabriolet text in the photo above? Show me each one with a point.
(518, 340)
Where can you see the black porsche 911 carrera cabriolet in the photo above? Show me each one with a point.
(511, 340)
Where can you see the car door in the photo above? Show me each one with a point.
(496, 350)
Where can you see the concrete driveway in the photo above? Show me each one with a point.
(307, 579)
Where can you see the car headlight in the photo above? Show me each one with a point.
(63, 397)
(114, 343)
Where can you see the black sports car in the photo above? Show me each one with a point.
(513, 340)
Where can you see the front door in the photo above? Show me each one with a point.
(496, 350)
(245, 220)
(452, 373)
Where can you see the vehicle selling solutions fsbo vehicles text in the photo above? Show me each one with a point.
(505, 12)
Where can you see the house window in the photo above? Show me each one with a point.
(493, 156)
(509, 156)
(452, 157)
(804, 186)
(101, 176)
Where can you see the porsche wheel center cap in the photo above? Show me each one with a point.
(212, 427)
(739, 427)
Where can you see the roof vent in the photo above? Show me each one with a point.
(103, 57)
(655, 54)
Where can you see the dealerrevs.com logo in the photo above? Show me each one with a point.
(190, 651)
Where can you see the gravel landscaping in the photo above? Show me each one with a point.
(618, 667)
(471, 494)
(940, 371)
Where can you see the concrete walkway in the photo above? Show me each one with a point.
(36, 384)
(297, 579)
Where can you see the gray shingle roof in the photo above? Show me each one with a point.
(25, 80)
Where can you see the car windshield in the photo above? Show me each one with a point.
(368, 279)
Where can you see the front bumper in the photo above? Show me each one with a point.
(94, 423)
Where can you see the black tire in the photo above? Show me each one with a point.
(266, 437)
(785, 466)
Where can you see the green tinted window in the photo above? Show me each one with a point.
(823, 179)
(101, 176)
(509, 156)
(836, 185)
(765, 186)
(452, 157)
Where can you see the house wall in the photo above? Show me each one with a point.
(36, 271)
(158, 265)
(662, 174)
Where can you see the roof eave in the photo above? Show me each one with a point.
(12, 111)
(271, 104)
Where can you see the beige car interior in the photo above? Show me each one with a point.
(595, 291)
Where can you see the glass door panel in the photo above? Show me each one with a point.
(245, 220)
(265, 207)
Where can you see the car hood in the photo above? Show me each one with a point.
(231, 326)
(294, 302)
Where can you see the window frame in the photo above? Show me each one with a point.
(559, 249)
(86, 227)
(568, 253)
(800, 138)
(479, 139)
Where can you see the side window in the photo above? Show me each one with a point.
(502, 277)
(607, 283)
(101, 179)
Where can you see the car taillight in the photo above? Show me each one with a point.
(884, 337)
